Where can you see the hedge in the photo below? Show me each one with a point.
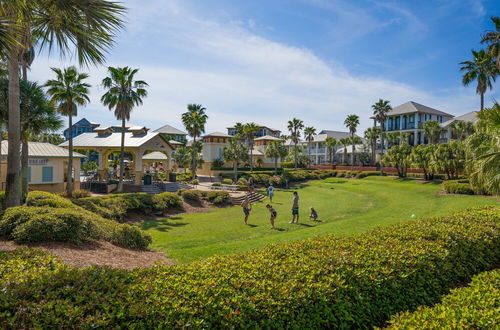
(351, 282)
(473, 307)
(43, 198)
(458, 187)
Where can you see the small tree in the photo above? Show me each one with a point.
(249, 130)
(330, 144)
(399, 157)
(381, 111)
(433, 131)
(295, 126)
(181, 157)
(345, 142)
(421, 157)
(309, 133)
(235, 152)
(372, 134)
(276, 150)
(352, 122)
(194, 121)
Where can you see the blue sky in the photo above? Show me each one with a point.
(270, 60)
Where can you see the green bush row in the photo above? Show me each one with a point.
(473, 307)
(214, 197)
(67, 224)
(327, 282)
(117, 206)
(458, 187)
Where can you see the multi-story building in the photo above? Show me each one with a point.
(319, 153)
(409, 118)
(172, 133)
(263, 131)
(81, 126)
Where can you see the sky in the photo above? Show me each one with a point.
(268, 61)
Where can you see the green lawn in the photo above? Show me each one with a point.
(345, 207)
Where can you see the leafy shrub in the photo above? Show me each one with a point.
(341, 174)
(326, 282)
(242, 181)
(15, 216)
(458, 187)
(192, 195)
(166, 200)
(130, 237)
(227, 181)
(43, 198)
(194, 182)
(59, 225)
(78, 193)
(2, 197)
(216, 184)
(184, 177)
(219, 197)
(471, 307)
(287, 164)
(242, 187)
(260, 178)
(364, 174)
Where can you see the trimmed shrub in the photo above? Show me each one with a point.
(341, 174)
(191, 195)
(2, 197)
(458, 187)
(227, 181)
(116, 206)
(15, 216)
(58, 225)
(130, 237)
(219, 197)
(364, 174)
(166, 200)
(43, 198)
(242, 181)
(78, 193)
(471, 307)
(184, 177)
(326, 282)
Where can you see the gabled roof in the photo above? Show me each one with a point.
(261, 126)
(167, 129)
(155, 155)
(41, 149)
(333, 134)
(267, 138)
(85, 122)
(411, 107)
(218, 134)
(110, 140)
(469, 116)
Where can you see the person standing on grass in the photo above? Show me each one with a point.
(250, 185)
(247, 207)
(274, 214)
(295, 208)
(270, 193)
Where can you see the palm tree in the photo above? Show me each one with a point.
(352, 122)
(181, 157)
(372, 134)
(88, 25)
(309, 133)
(194, 121)
(235, 152)
(345, 142)
(492, 38)
(295, 126)
(381, 109)
(276, 150)
(461, 129)
(330, 144)
(481, 69)
(123, 94)
(69, 91)
(433, 131)
(249, 130)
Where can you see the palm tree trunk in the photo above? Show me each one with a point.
(122, 156)
(382, 148)
(24, 170)
(309, 151)
(295, 155)
(193, 158)
(482, 101)
(13, 184)
(69, 176)
(235, 167)
(352, 155)
(251, 156)
(374, 154)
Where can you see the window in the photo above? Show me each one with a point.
(47, 174)
(29, 174)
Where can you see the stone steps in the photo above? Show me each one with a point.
(253, 197)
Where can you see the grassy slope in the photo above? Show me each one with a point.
(345, 207)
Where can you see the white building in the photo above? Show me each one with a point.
(447, 125)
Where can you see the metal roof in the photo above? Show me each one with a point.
(40, 149)
(267, 138)
(110, 140)
(469, 116)
(411, 107)
(155, 155)
(218, 134)
(167, 129)
(321, 137)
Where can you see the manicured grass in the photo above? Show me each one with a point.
(345, 207)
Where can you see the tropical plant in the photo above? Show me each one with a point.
(483, 152)
(460, 130)
(330, 144)
(432, 131)
(449, 158)
(345, 142)
(68, 91)
(299, 155)
(482, 69)
(421, 157)
(352, 122)
(492, 38)
(52, 138)
(194, 121)
(249, 130)
(372, 134)
(235, 152)
(123, 94)
(381, 110)
(89, 166)
(309, 133)
(181, 157)
(399, 157)
(276, 150)
(88, 25)
(195, 156)
(294, 127)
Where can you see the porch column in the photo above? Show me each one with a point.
(101, 170)
(139, 171)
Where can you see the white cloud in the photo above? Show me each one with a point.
(239, 76)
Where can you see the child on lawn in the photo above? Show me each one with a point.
(274, 214)
(314, 215)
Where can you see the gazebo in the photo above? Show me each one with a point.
(138, 143)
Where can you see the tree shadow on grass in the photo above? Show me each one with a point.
(162, 224)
